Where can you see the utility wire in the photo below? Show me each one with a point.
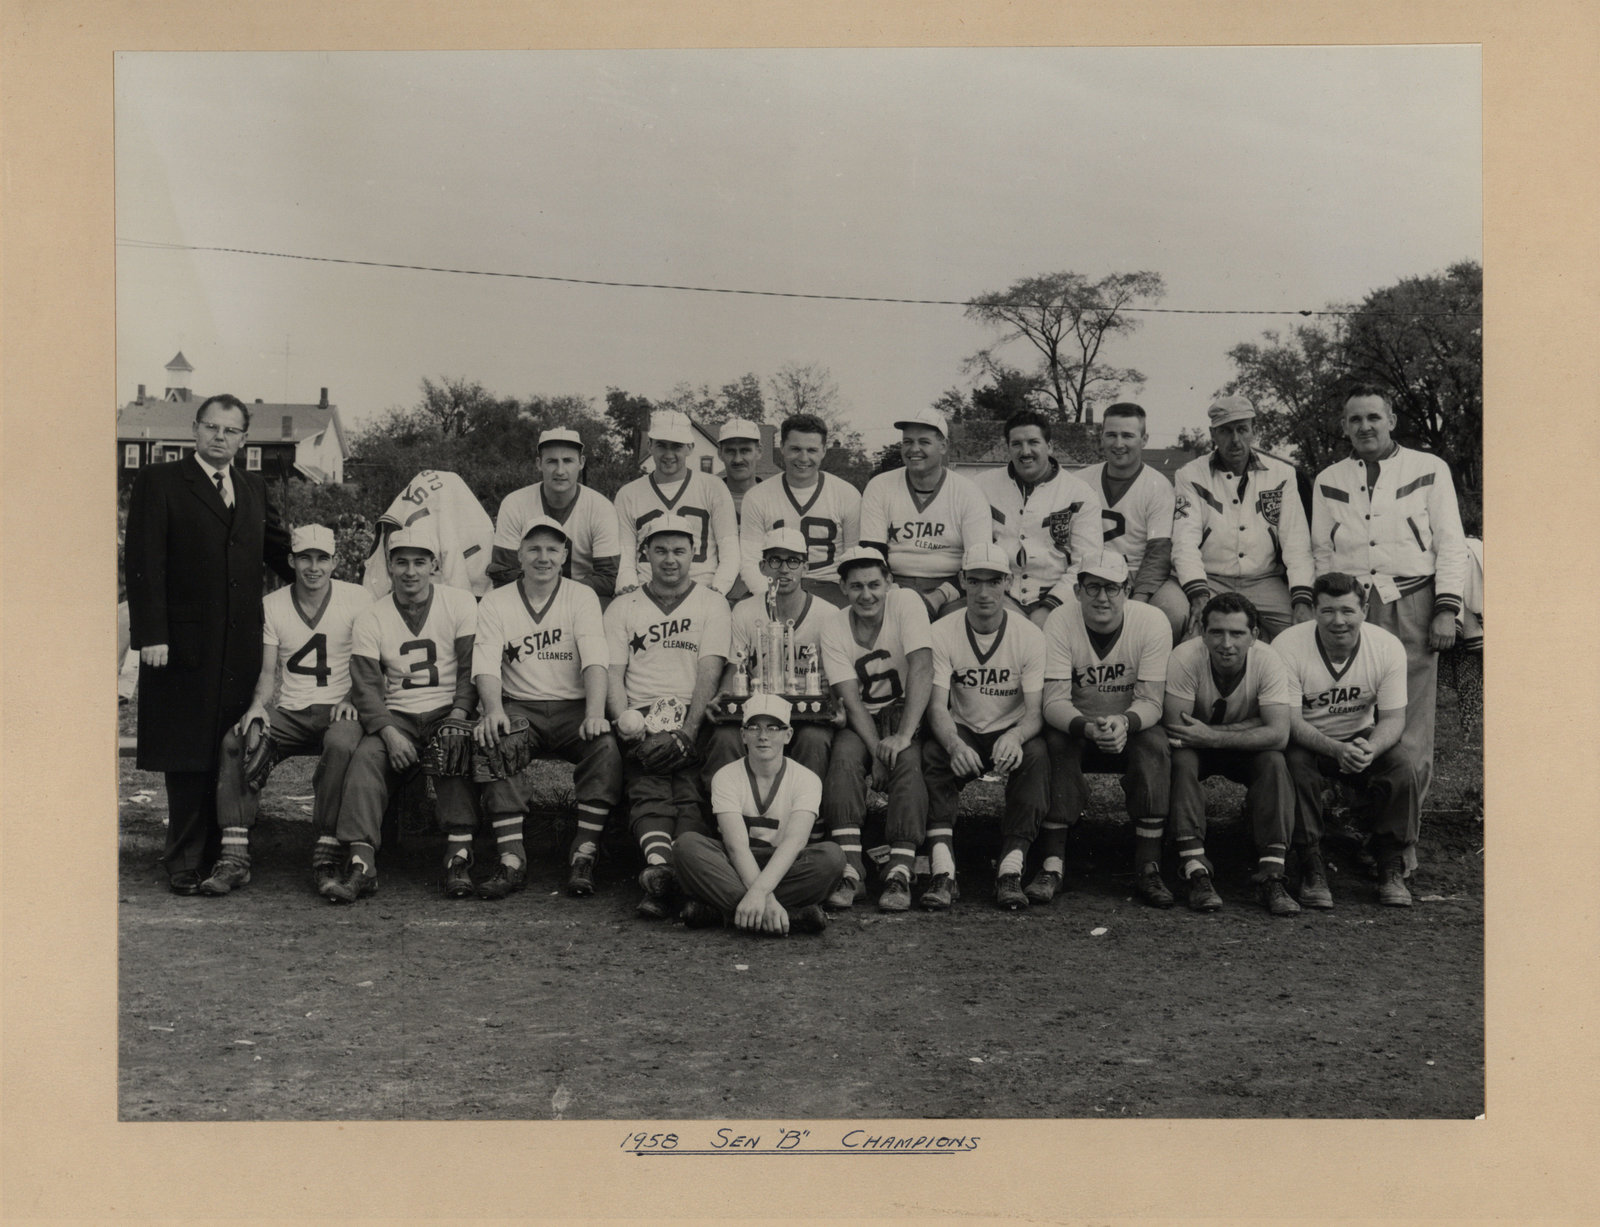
(150, 245)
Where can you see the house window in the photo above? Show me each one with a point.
(705, 464)
(288, 426)
(174, 453)
(130, 456)
(252, 459)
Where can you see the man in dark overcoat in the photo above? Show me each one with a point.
(199, 530)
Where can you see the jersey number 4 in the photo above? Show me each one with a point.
(427, 667)
(316, 648)
(879, 685)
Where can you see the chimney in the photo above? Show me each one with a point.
(258, 400)
(323, 403)
(141, 394)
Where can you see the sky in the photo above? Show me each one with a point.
(1272, 179)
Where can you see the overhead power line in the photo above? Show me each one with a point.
(151, 245)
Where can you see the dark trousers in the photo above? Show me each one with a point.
(193, 837)
(1269, 803)
(844, 792)
(370, 779)
(1027, 787)
(597, 780)
(311, 730)
(1144, 766)
(1391, 782)
(705, 872)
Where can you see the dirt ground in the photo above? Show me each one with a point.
(273, 1005)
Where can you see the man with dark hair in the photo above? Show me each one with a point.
(824, 508)
(199, 530)
(1227, 713)
(1136, 508)
(1347, 686)
(585, 515)
(1045, 519)
(739, 448)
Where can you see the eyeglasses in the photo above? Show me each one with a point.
(1094, 590)
(785, 564)
(232, 432)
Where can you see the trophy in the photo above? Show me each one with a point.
(775, 664)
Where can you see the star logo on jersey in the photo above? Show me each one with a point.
(636, 644)
(511, 653)
(894, 533)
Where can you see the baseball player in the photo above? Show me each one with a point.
(1136, 508)
(1104, 676)
(1388, 516)
(760, 874)
(1227, 713)
(924, 517)
(783, 562)
(667, 639)
(540, 655)
(410, 678)
(1347, 715)
(1239, 525)
(877, 654)
(585, 515)
(678, 489)
(825, 509)
(984, 715)
(305, 657)
(1045, 518)
(739, 447)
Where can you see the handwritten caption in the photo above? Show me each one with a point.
(734, 1140)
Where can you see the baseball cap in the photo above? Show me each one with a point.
(859, 555)
(739, 428)
(670, 426)
(560, 434)
(986, 556)
(667, 524)
(926, 417)
(539, 522)
(311, 537)
(769, 705)
(1227, 409)
(1108, 564)
(785, 539)
(411, 539)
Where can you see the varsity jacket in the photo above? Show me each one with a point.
(1045, 528)
(1243, 529)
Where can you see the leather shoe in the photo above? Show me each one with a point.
(184, 882)
(1008, 893)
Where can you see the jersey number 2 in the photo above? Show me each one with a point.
(316, 648)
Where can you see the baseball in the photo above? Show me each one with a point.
(630, 723)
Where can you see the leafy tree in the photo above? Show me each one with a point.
(888, 459)
(1009, 392)
(629, 415)
(1067, 318)
(805, 388)
(742, 399)
(1294, 380)
(1196, 440)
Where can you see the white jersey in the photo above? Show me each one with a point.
(698, 497)
(828, 516)
(539, 655)
(1189, 678)
(313, 653)
(796, 790)
(750, 615)
(1344, 702)
(1141, 515)
(419, 666)
(661, 645)
(925, 537)
(590, 522)
(1044, 530)
(882, 667)
(1128, 676)
(987, 676)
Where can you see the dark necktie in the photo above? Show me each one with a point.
(222, 491)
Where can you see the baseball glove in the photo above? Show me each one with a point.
(664, 751)
(449, 750)
(510, 756)
(260, 754)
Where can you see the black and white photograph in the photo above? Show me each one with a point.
(910, 586)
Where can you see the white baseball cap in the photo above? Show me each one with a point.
(986, 556)
(412, 539)
(769, 705)
(1227, 409)
(560, 434)
(670, 426)
(1108, 564)
(739, 428)
(539, 522)
(667, 524)
(311, 537)
(858, 555)
(926, 417)
(785, 539)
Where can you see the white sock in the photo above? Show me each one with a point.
(511, 860)
(1011, 862)
(1054, 864)
(941, 861)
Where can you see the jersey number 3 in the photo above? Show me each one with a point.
(427, 666)
(316, 648)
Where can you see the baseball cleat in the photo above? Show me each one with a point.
(1147, 884)
(1203, 896)
(699, 915)
(503, 881)
(184, 882)
(938, 896)
(1045, 886)
(1392, 890)
(843, 897)
(808, 919)
(227, 875)
(457, 883)
(580, 876)
(324, 874)
(1276, 899)
(1314, 891)
(1008, 893)
(896, 895)
(356, 884)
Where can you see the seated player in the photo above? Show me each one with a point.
(540, 654)
(1105, 672)
(783, 563)
(667, 638)
(410, 678)
(877, 655)
(305, 655)
(594, 545)
(760, 874)
(1227, 713)
(1347, 717)
(984, 713)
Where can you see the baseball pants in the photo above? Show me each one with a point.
(826, 590)
(1027, 787)
(1269, 804)
(662, 805)
(1270, 596)
(597, 774)
(1144, 765)
(705, 872)
(1390, 781)
(369, 780)
(844, 793)
(1410, 618)
(311, 730)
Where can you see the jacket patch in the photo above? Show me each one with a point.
(1270, 504)
(1060, 525)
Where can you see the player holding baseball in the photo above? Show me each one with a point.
(410, 683)
(305, 658)
(585, 515)
(984, 714)
(1105, 674)
(877, 654)
(667, 639)
(759, 872)
(540, 655)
